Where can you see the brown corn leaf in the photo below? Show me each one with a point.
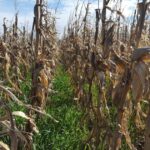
(18, 133)
(139, 75)
(33, 126)
(117, 11)
(4, 118)
(120, 91)
(140, 53)
(43, 79)
(146, 58)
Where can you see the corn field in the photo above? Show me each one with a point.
(107, 61)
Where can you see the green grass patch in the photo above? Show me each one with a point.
(68, 133)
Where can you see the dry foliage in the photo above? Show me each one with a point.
(21, 52)
(93, 58)
(110, 53)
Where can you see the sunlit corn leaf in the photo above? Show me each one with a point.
(21, 114)
(4, 146)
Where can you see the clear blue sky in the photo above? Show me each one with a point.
(8, 8)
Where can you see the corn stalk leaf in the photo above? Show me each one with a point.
(4, 146)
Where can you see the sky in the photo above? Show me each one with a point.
(8, 8)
